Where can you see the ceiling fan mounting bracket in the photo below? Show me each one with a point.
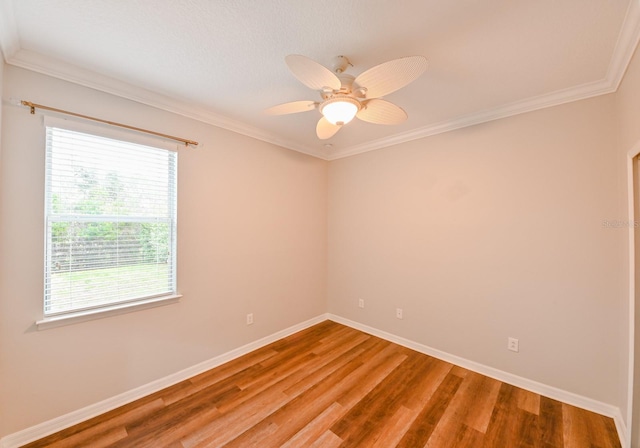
(340, 64)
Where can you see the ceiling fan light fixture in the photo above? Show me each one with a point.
(340, 110)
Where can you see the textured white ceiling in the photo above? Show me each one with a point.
(223, 60)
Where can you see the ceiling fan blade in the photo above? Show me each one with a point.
(325, 129)
(381, 112)
(390, 76)
(291, 108)
(312, 74)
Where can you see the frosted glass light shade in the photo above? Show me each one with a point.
(340, 110)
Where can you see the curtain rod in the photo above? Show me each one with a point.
(35, 106)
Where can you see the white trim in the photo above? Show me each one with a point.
(623, 433)
(72, 418)
(67, 72)
(625, 46)
(107, 311)
(59, 423)
(631, 299)
(506, 377)
(635, 151)
(529, 105)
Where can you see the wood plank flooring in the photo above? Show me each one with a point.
(332, 386)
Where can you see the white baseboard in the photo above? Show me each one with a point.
(59, 423)
(515, 380)
(72, 418)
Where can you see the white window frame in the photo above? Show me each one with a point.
(99, 311)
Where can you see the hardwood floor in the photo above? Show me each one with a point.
(332, 386)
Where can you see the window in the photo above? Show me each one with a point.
(110, 209)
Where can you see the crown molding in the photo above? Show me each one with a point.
(626, 45)
(49, 66)
(539, 102)
(623, 52)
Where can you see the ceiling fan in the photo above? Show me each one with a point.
(345, 96)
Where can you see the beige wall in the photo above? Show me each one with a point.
(488, 232)
(251, 238)
(478, 234)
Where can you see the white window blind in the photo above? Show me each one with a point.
(110, 208)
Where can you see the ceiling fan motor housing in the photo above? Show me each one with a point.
(346, 87)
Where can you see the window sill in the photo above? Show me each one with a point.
(83, 316)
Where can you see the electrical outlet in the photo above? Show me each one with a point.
(360, 303)
(513, 344)
(250, 319)
(399, 313)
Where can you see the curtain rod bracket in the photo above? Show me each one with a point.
(30, 105)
